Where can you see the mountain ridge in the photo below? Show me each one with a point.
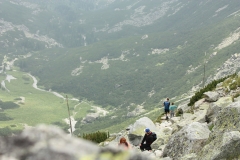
(158, 48)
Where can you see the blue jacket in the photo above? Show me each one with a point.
(166, 104)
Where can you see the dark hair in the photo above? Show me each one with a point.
(172, 103)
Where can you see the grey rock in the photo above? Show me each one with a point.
(50, 142)
(219, 85)
(215, 107)
(135, 139)
(138, 127)
(211, 96)
(191, 156)
(188, 140)
(224, 141)
(198, 103)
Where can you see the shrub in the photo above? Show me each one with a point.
(18, 99)
(6, 131)
(8, 105)
(4, 117)
(199, 95)
(26, 78)
(235, 96)
(158, 120)
(233, 86)
(96, 137)
(238, 81)
(211, 127)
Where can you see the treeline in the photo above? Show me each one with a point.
(199, 95)
(8, 105)
(6, 131)
(129, 81)
(96, 137)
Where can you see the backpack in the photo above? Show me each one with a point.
(154, 135)
(180, 111)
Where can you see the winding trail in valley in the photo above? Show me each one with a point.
(55, 93)
(73, 121)
(99, 111)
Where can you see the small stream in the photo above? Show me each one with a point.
(73, 121)
(9, 64)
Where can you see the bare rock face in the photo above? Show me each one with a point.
(224, 141)
(138, 127)
(215, 107)
(136, 131)
(211, 96)
(188, 140)
(51, 143)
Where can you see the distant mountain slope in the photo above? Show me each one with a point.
(118, 53)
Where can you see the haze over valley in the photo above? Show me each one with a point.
(115, 60)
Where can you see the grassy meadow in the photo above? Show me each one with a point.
(36, 106)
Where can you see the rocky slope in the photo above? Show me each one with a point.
(207, 130)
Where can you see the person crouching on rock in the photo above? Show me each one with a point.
(123, 143)
(147, 140)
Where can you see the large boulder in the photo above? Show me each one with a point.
(184, 106)
(198, 116)
(199, 103)
(224, 141)
(237, 99)
(135, 139)
(186, 141)
(136, 131)
(211, 96)
(222, 146)
(224, 101)
(215, 107)
(191, 156)
(49, 142)
(138, 127)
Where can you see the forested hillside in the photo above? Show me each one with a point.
(119, 54)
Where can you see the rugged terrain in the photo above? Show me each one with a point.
(122, 56)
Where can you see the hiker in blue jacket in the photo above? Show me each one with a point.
(166, 105)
